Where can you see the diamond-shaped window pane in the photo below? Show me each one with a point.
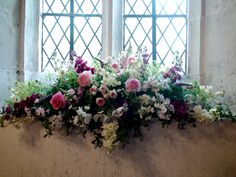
(171, 7)
(88, 36)
(56, 6)
(88, 6)
(170, 29)
(138, 32)
(58, 35)
(55, 39)
(138, 7)
(172, 38)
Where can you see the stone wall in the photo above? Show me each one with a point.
(206, 151)
(219, 64)
(10, 45)
(212, 54)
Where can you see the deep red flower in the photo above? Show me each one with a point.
(181, 109)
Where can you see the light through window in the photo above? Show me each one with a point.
(160, 25)
(69, 25)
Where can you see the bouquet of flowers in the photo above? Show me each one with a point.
(114, 99)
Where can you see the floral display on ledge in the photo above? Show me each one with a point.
(114, 99)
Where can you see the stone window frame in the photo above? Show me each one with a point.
(30, 66)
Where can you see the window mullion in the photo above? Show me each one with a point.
(117, 27)
(107, 28)
(71, 27)
(154, 16)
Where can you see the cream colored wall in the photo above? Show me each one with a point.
(10, 50)
(206, 151)
(219, 56)
(212, 54)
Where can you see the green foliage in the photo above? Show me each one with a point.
(200, 95)
(22, 90)
(65, 81)
(117, 102)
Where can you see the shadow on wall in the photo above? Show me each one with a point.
(208, 150)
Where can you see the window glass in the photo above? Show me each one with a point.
(70, 25)
(160, 25)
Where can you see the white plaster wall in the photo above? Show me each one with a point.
(194, 49)
(205, 151)
(219, 56)
(32, 39)
(10, 48)
(211, 49)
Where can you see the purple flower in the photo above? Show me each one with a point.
(145, 58)
(81, 66)
(181, 109)
(173, 73)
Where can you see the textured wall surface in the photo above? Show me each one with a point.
(219, 56)
(212, 54)
(10, 50)
(207, 151)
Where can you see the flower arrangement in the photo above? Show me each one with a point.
(114, 99)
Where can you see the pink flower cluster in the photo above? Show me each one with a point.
(132, 85)
(106, 93)
(85, 78)
(58, 101)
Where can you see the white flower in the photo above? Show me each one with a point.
(108, 59)
(81, 112)
(40, 111)
(154, 99)
(36, 100)
(75, 121)
(156, 105)
(167, 101)
(119, 111)
(202, 115)
(197, 108)
(71, 92)
(87, 119)
(99, 116)
(163, 109)
(87, 107)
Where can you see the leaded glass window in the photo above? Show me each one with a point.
(160, 25)
(69, 25)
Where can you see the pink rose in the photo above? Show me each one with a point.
(93, 89)
(58, 101)
(85, 78)
(100, 101)
(103, 89)
(113, 94)
(131, 60)
(132, 85)
(115, 66)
